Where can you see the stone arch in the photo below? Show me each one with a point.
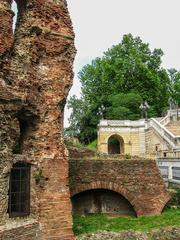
(115, 144)
(107, 186)
(101, 201)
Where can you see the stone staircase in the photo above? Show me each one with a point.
(174, 127)
(168, 128)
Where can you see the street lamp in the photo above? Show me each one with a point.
(101, 110)
(174, 106)
(144, 108)
(177, 109)
(171, 103)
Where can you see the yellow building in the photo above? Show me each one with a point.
(156, 137)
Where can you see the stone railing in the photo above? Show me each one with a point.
(173, 141)
(170, 169)
(169, 155)
(170, 114)
(165, 120)
(138, 123)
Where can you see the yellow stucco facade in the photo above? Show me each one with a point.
(148, 139)
(133, 137)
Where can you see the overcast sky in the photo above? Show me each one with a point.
(99, 24)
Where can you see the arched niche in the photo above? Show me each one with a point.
(101, 201)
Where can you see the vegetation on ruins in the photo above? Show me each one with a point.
(96, 222)
(126, 75)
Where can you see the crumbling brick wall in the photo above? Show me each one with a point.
(27, 231)
(35, 77)
(139, 181)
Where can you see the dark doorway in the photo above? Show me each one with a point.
(101, 201)
(115, 145)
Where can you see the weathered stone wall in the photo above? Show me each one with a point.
(26, 231)
(79, 153)
(153, 140)
(139, 181)
(174, 127)
(35, 77)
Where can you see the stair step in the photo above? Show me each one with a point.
(174, 127)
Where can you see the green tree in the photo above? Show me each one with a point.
(174, 87)
(124, 106)
(83, 120)
(127, 74)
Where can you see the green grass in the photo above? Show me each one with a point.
(93, 145)
(95, 222)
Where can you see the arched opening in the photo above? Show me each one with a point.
(115, 145)
(101, 201)
(24, 127)
(18, 7)
(27, 123)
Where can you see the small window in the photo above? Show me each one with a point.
(19, 190)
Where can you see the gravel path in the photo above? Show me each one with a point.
(172, 233)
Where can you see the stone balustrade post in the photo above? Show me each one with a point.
(170, 175)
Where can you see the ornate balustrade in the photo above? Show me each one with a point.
(174, 141)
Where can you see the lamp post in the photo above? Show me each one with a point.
(101, 110)
(171, 103)
(144, 108)
(174, 106)
(177, 109)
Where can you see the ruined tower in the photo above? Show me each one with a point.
(35, 78)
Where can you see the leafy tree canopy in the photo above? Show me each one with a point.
(126, 75)
(174, 86)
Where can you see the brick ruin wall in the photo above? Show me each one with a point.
(26, 231)
(35, 77)
(139, 181)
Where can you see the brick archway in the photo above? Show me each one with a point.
(132, 179)
(107, 186)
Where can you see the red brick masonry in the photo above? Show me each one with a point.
(36, 73)
(139, 181)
